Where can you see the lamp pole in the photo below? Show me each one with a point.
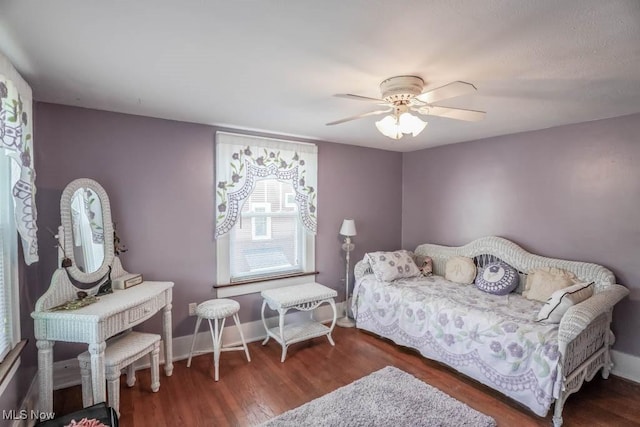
(347, 230)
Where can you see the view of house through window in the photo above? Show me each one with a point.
(268, 238)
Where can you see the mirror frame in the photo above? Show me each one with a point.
(65, 218)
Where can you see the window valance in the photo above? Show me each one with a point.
(242, 160)
(16, 138)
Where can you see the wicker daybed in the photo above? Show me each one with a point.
(495, 339)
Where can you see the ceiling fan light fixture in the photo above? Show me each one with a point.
(395, 127)
(389, 127)
(411, 124)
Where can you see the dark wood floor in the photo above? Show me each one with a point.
(251, 393)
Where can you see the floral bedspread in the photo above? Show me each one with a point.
(493, 339)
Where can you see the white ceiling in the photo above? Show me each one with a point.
(274, 65)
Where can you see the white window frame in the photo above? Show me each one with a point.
(10, 260)
(223, 274)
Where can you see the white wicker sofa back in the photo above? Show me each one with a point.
(584, 335)
(516, 257)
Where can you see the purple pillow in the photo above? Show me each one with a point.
(497, 278)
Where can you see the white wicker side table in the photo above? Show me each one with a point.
(121, 352)
(305, 297)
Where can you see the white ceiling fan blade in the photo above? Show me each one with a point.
(447, 91)
(359, 97)
(452, 113)
(371, 113)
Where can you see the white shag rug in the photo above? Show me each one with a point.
(388, 397)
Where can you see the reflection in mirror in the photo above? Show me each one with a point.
(88, 230)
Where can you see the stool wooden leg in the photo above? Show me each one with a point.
(193, 340)
(216, 337)
(155, 368)
(113, 389)
(87, 391)
(236, 319)
(131, 375)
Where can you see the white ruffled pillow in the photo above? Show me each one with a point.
(553, 310)
(388, 266)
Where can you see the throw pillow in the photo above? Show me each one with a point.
(388, 266)
(460, 269)
(543, 282)
(497, 278)
(553, 310)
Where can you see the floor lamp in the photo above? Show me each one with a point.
(348, 229)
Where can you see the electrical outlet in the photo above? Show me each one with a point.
(192, 308)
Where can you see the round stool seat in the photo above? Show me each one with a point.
(217, 308)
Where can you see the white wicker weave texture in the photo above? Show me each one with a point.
(217, 308)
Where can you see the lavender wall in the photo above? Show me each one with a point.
(569, 192)
(159, 175)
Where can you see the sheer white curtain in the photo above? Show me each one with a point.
(242, 160)
(16, 138)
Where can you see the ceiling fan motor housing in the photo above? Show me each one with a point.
(401, 89)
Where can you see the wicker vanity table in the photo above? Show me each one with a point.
(111, 314)
(93, 324)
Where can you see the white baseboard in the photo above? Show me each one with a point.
(626, 365)
(66, 373)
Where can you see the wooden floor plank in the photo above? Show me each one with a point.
(251, 393)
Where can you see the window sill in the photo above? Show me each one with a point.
(258, 285)
(10, 364)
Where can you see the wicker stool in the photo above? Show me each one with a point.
(121, 352)
(216, 310)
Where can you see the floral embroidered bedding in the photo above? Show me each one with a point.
(494, 339)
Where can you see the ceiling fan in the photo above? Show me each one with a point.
(404, 94)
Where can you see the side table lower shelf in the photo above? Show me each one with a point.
(296, 332)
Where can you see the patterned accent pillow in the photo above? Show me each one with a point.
(497, 278)
(388, 266)
(562, 300)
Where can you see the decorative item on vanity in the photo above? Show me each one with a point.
(127, 281)
(348, 230)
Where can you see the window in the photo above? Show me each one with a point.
(9, 308)
(266, 212)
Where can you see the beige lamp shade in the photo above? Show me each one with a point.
(348, 227)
